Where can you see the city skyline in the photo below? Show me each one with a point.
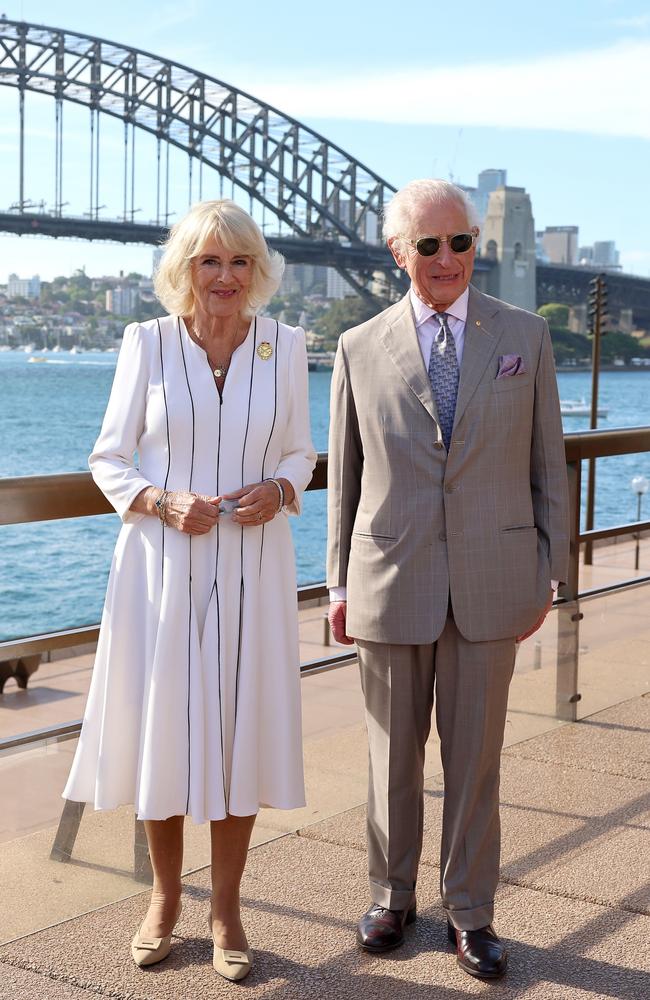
(432, 113)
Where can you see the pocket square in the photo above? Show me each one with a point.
(511, 364)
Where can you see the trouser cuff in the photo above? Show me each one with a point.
(470, 920)
(392, 899)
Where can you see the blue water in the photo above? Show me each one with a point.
(53, 575)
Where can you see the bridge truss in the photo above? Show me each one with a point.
(299, 186)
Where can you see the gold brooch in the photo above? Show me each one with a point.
(264, 351)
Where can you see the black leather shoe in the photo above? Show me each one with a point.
(479, 952)
(380, 929)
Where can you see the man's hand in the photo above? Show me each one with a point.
(336, 616)
(540, 621)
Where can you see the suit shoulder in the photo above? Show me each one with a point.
(514, 313)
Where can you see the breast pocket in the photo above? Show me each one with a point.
(510, 383)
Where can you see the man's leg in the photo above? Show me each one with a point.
(472, 681)
(397, 682)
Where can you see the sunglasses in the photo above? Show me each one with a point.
(429, 246)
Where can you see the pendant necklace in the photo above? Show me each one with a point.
(221, 368)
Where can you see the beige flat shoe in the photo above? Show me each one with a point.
(230, 964)
(150, 951)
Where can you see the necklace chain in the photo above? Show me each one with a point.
(221, 368)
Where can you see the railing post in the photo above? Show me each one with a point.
(567, 695)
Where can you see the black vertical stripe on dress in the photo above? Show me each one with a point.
(216, 594)
(275, 413)
(189, 582)
(169, 449)
(241, 555)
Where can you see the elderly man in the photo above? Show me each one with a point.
(448, 525)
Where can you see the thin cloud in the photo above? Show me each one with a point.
(601, 91)
(637, 23)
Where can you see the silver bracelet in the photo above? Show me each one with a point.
(280, 491)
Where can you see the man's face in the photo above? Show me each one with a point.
(440, 279)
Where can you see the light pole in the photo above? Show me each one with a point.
(640, 486)
(597, 312)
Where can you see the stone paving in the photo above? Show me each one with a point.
(574, 899)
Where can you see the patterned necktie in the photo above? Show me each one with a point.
(444, 375)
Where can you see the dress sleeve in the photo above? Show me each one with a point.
(112, 462)
(298, 457)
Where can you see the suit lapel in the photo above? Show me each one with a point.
(483, 331)
(400, 341)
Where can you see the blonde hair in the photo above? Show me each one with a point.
(401, 211)
(232, 227)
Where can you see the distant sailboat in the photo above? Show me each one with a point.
(579, 408)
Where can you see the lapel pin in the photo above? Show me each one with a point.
(264, 351)
(478, 322)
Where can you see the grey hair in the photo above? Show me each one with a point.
(238, 232)
(402, 209)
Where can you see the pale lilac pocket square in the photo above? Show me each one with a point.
(511, 364)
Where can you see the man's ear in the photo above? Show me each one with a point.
(394, 246)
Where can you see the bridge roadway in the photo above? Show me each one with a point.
(555, 282)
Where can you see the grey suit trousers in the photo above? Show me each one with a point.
(471, 681)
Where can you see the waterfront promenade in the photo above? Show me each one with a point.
(574, 903)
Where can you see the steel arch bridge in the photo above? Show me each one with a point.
(322, 201)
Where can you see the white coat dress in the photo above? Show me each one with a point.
(194, 705)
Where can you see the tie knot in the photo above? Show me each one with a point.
(443, 327)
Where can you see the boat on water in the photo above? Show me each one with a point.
(76, 350)
(580, 408)
(35, 359)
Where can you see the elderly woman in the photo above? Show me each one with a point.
(194, 707)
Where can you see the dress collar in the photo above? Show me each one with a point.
(423, 312)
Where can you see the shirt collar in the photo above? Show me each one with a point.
(423, 312)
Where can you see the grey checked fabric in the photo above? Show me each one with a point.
(444, 375)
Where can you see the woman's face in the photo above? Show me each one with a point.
(220, 280)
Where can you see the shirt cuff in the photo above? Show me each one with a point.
(554, 585)
(338, 594)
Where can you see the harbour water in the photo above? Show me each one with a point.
(53, 575)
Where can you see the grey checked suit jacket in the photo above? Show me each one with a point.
(409, 525)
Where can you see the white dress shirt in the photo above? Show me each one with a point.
(427, 327)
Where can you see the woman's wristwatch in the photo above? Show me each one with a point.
(161, 506)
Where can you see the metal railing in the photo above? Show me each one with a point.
(47, 498)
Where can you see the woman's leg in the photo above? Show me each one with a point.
(230, 838)
(165, 839)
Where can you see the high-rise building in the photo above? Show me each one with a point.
(560, 244)
(24, 288)
(605, 254)
(121, 300)
(337, 286)
(488, 181)
(156, 258)
(602, 254)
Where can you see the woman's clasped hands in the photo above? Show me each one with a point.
(196, 514)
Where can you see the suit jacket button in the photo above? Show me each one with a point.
(442, 536)
(438, 445)
(451, 488)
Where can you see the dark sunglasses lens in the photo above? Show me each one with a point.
(427, 246)
(460, 243)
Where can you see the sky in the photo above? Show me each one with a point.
(556, 93)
